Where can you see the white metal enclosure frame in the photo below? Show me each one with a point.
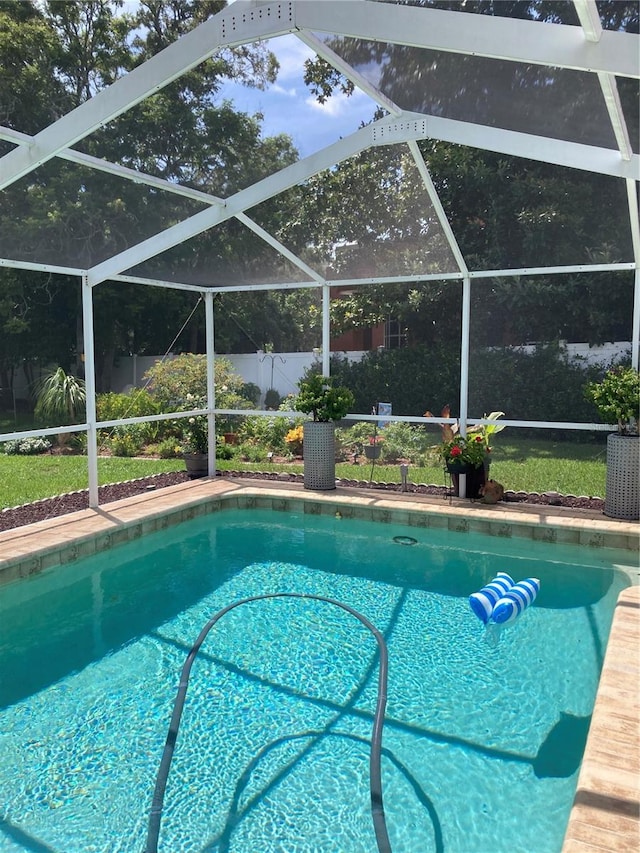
(601, 56)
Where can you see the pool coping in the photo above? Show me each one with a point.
(57, 541)
(606, 811)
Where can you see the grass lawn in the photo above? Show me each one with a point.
(531, 466)
(28, 478)
(520, 465)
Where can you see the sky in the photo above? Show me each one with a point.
(289, 106)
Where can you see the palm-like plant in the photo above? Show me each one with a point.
(61, 397)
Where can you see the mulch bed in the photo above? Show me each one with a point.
(74, 501)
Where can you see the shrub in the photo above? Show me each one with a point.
(250, 391)
(26, 446)
(135, 404)
(321, 398)
(224, 450)
(61, 398)
(186, 375)
(252, 452)
(169, 448)
(269, 432)
(126, 441)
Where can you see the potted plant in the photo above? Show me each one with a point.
(373, 449)
(326, 403)
(617, 398)
(468, 454)
(195, 442)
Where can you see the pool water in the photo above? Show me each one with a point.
(482, 740)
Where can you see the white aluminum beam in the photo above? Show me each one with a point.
(90, 390)
(609, 88)
(244, 23)
(589, 18)
(30, 265)
(437, 204)
(73, 156)
(227, 288)
(558, 270)
(557, 45)
(573, 155)
(270, 186)
(348, 71)
(279, 247)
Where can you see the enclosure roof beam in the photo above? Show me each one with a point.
(73, 156)
(348, 71)
(587, 13)
(266, 188)
(574, 155)
(437, 206)
(557, 45)
(184, 54)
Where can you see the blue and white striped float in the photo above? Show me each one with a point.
(483, 602)
(515, 601)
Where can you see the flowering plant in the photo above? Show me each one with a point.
(473, 449)
(195, 438)
(469, 451)
(375, 440)
(295, 437)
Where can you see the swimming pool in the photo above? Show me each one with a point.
(481, 745)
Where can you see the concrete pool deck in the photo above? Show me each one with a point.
(606, 810)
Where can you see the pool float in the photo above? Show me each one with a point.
(515, 601)
(483, 602)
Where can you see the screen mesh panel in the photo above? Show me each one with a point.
(558, 103)
(370, 216)
(228, 254)
(405, 338)
(525, 334)
(70, 215)
(510, 213)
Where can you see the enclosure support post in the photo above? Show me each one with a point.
(464, 369)
(326, 329)
(211, 386)
(634, 217)
(635, 335)
(90, 389)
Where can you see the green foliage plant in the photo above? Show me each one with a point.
(195, 429)
(172, 381)
(487, 431)
(168, 448)
(471, 450)
(322, 399)
(617, 398)
(126, 442)
(26, 446)
(61, 397)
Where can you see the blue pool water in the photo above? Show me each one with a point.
(482, 741)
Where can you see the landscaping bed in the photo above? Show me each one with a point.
(74, 501)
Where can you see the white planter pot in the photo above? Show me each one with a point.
(319, 455)
(622, 495)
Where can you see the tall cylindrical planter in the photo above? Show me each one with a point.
(319, 455)
(622, 495)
